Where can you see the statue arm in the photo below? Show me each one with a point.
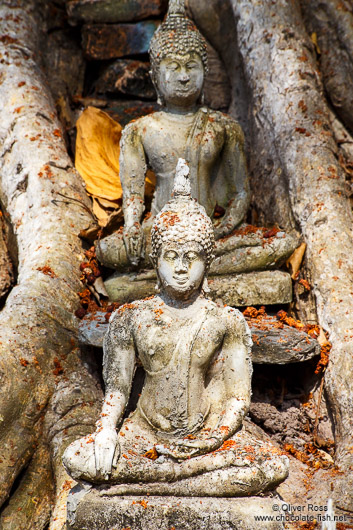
(237, 372)
(235, 172)
(132, 176)
(118, 370)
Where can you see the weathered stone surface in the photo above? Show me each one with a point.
(128, 77)
(272, 345)
(111, 11)
(97, 510)
(253, 288)
(107, 41)
(92, 330)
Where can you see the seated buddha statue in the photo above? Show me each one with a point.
(213, 145)
(187, 435)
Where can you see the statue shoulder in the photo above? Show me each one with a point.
(229, 124)
(225, 312)
(124, 317)
(124, 321)
(137, 127)
(236, 324)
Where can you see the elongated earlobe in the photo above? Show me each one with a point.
(205, 287)
(158, 285)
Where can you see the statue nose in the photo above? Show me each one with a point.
(184, 77)
(180, 265)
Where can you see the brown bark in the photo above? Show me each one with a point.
(6, 268)
(31, 504)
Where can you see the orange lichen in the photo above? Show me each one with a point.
(158, 313)
(151, 454)
(311, 456)
(290, 321)
(224, 430)
(47, 271)
(124, 307)
(252, 312)
(324, 357)
(24, 362)
(305, 284)
(58, 368)
(227, 445)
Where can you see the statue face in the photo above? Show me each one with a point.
(181, 269)
(180, 79)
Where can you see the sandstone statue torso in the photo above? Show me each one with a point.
(190, 345)
(201, 138)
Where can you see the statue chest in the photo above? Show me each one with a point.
(165, 144)
(177, 346)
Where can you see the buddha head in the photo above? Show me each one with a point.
(182, 240)
(178, 57)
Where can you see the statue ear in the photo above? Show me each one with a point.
(205, 288)
(158, 285)
(160, 99)
(153, 261)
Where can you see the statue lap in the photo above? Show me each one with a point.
(243, 465)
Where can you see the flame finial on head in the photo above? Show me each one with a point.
(182, 219)
(177, 35)
(181, 180)
(176, 7)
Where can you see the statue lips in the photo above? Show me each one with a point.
(181, 280)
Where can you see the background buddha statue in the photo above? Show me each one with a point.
(213, 145)
(186, 436)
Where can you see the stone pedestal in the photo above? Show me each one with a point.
(100, 509)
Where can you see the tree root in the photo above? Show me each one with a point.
(30, 505)
(292, 118)
(331, 24)
(38, 329)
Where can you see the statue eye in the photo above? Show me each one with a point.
(173, 66)
(191, 256)
(170, 255)
(192, 65)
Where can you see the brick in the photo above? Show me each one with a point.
(128, 77)
(109, 41)
(124, 111)
(110, 11)
(121, 110)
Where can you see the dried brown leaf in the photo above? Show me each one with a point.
(295, 260)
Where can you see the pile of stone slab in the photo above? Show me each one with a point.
(272, 343)
(115, 37)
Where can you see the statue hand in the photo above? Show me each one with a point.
(106, 450)
(232, 218)
(134, 240)
(187, 448)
